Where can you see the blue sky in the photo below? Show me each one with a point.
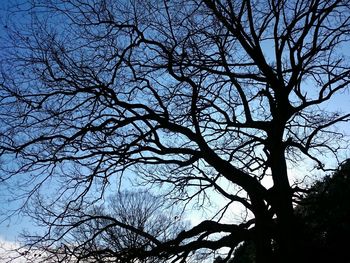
(10, 227)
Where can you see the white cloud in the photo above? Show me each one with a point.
(10, 252)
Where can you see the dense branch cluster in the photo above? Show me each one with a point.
(196, 99)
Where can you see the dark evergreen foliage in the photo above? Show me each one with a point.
(324, 222)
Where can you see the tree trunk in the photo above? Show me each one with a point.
(263, 229)
(281, 201)
(264, 252)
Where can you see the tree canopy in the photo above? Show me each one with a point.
(323, 216)
(198, 100)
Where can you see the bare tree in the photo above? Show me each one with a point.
(118, 231)
(200, 98)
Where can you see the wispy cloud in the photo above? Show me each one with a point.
(11, 252)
